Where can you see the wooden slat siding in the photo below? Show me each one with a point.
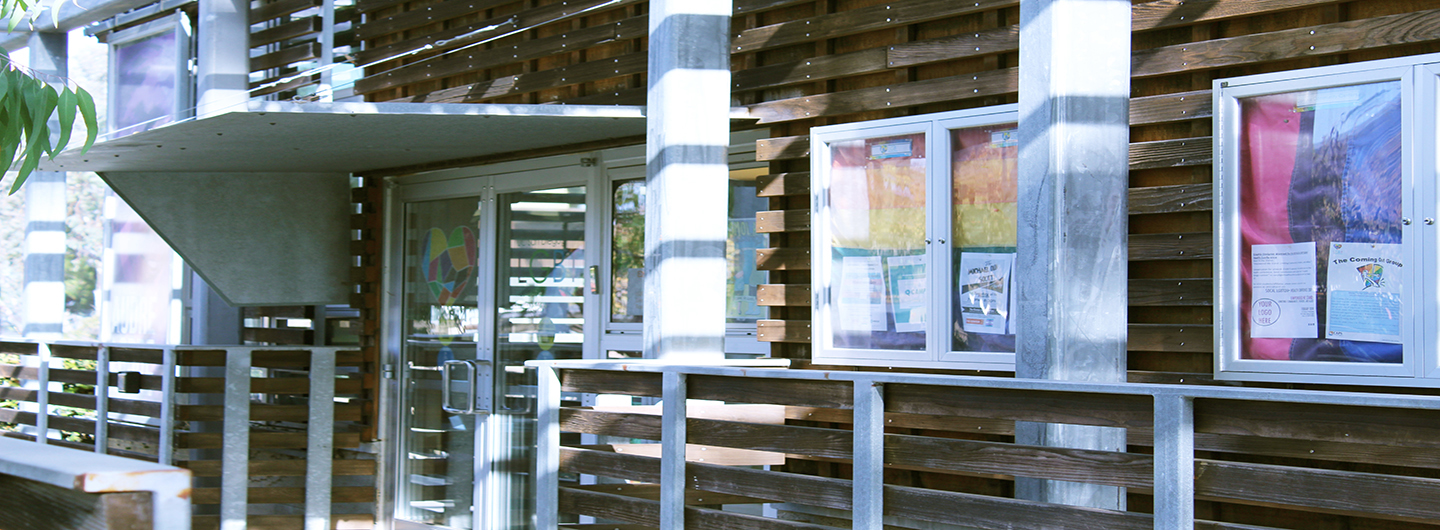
(428, 14)
(580, 73)
(810, 441)
(595, 382)
(287, 385)
(783, 330)
(477, 60)
(1156, 247)
(283, 311)
(1076, 465)
(263, 412)
(856, 21)
(119, 431)
(458, 36)
(1170, 153)
(782, 221)
(1172, 13)
(34, 505)
(286, 495)
(297, 358)
(652, 492)
(1172, 292)
(946, 89)
(282, 468)
(73, 352)
(291, 55)
(965, 509)
(1342, 492)
(81, 401)
(1295, 421)
(63, 375)
(782, 259)
(285, 522)
(1172, 199)
(810, 70)
(260, 440)
(1325, 39)
(18, 348)
(750, 7)
(265, 12)
(609, 506)
(286, 31)
(277, 335)
(87, 353)
(1050, 407)
(696, 517)
(963, 46)
(370, 6)
(797, 393)
(783, 295)
(790, 487)
(784, 148)
(1171, 337)
(783, 184)
(1166, 108)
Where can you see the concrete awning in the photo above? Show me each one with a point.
(258, 201)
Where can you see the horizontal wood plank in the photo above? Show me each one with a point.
(983, 511)
(282, 468)
(1183, 152)
(784, 148)
(850, 22)
(782, 330)
(1331, 491)
(1172, 13)
(776, 221)
(946, 89)
(1171, 337)
(267, 11)
(586, 72)
(1172, 292)
(810, 70)
(779, 295)
(782, 259)
(963, 46)
(287, 495)
(1299, 421)
(265, 412)
(1172, 199)
(798, 393)
(1106, 410)
(261, 440)
(1160, 247)
(435, 12)
(1166, 108)
(644, 384)
(782, 184)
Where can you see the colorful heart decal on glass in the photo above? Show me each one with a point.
(448, 262)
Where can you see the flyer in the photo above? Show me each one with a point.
(1283, 303)
(1365, 292)
(985, 291)
(862, 294)
(907, 292)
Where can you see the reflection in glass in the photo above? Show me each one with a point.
(1320, 208)
(146, 85)
(983, 195)
(877, 239)
(440, 323)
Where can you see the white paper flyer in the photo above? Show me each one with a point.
(985, 291)
(862, 294)
(1283, 291)
(1365, 292)
(907, 292)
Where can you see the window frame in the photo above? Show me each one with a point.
(1420, 364)
(939, 263)
(178, 24)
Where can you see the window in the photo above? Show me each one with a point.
(914, 240)
(1325, 206)
(151, 83)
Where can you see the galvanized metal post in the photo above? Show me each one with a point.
(102, 399)
(235, 457)
(42, 398)
(326, 90)
(1071, 259)
(687, 179)
(672, 450)
(1174, 462)
(223, 56)
(868, 475)
(167, 405)
(547, 451)
(44, 296)
(320, 444)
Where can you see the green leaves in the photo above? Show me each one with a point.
(26, 107)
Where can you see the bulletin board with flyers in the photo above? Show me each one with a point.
(914, 240)
(1325, 225)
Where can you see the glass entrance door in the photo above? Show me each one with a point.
(489, 282)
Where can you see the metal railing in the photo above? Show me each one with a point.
(1173, 423)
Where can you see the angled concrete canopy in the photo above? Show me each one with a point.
(258, 201)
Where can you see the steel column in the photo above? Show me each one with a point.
(235, 457)
(320, 444)
(1174, 462)
(547, 451)
(102, 399)
(223, 56)
(672, 450)
(868, 475)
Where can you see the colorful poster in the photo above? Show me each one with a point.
(985, 291)
(862, 294)
(1283, 302)
(1365, 292)
(907, 292)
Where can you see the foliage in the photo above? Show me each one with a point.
(27, 104)
(79, 284)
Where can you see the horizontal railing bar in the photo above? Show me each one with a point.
(769, 370)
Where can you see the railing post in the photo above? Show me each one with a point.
(1174, 462)
(672, 450)
(42, 398)
(167, 405)
(320, 446)
(102, 400)
(547, 452)
(868, 475)
(235, 456)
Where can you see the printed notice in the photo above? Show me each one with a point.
(862, 294)
(907, 292)
(985, 291)
(1365, 292)
(1283, 291)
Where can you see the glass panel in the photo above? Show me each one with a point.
(440, 323)
(1320, 223)
(146, 84)
(627, 250)
(877, 243)
(983, 188)
(540, 293)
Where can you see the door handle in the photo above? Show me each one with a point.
(594, 279)
(474, 370)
